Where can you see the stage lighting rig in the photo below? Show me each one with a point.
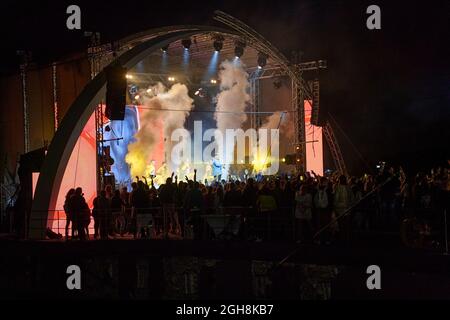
(186, 43)
(239, 49)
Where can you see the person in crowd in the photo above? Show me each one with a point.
(323, 211)
(109, 191)
(193, 206)
(343, 200)
(232, 197)
(167, 195)
(101, 212)
(140, 203)
(117, 207)
(126, 212)
(303, 214)
(79, 209)
(69, 218)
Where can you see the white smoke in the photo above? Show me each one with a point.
(156, 126)
(233, 97)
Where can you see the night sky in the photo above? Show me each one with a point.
(387, 89)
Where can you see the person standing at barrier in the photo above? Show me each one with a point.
(321, 204)
(167, 193)
(303, 214)
(78, 208)
(116, 212)
(343, 200)
(193, 204)
(69, 218)
(100, 214)
(267, 207)
(140, 205)
(125, 196)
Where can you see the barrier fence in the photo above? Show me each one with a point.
(170, 222)
(415, 227)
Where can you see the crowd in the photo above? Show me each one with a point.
(306, 207)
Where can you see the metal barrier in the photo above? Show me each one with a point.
(170, 222)
(224, 223)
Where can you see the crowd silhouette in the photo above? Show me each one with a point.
(305, 207)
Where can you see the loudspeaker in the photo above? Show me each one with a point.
(116, 92)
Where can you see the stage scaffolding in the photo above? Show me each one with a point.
(99, 57)
(102, 55)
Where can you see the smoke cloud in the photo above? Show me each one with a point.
(156, 126)
(233, 97)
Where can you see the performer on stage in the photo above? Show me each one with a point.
(208, 176)
(162, 174)
(217, 168)
(184, 170)
(150, 170)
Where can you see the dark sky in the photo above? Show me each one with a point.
(387, 89)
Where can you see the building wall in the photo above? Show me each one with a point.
(11, 121)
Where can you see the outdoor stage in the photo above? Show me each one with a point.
(187, 87)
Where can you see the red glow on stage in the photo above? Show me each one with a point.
(314, 145)
(80, 172)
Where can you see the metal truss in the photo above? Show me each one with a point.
(255, 96)
(334, 148)
(315, 102)
(300, 89)
(99, 57)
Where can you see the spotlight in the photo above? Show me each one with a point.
(213, 81)
(149, 90)
(133, 90)
(239, 49)
(283, 160)
(218, 45)
(238, 52)
(262, 60)
(171, 79)
(128, 76)
(165, 48)
(137, 97)
(186, 43)
(218, 42)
